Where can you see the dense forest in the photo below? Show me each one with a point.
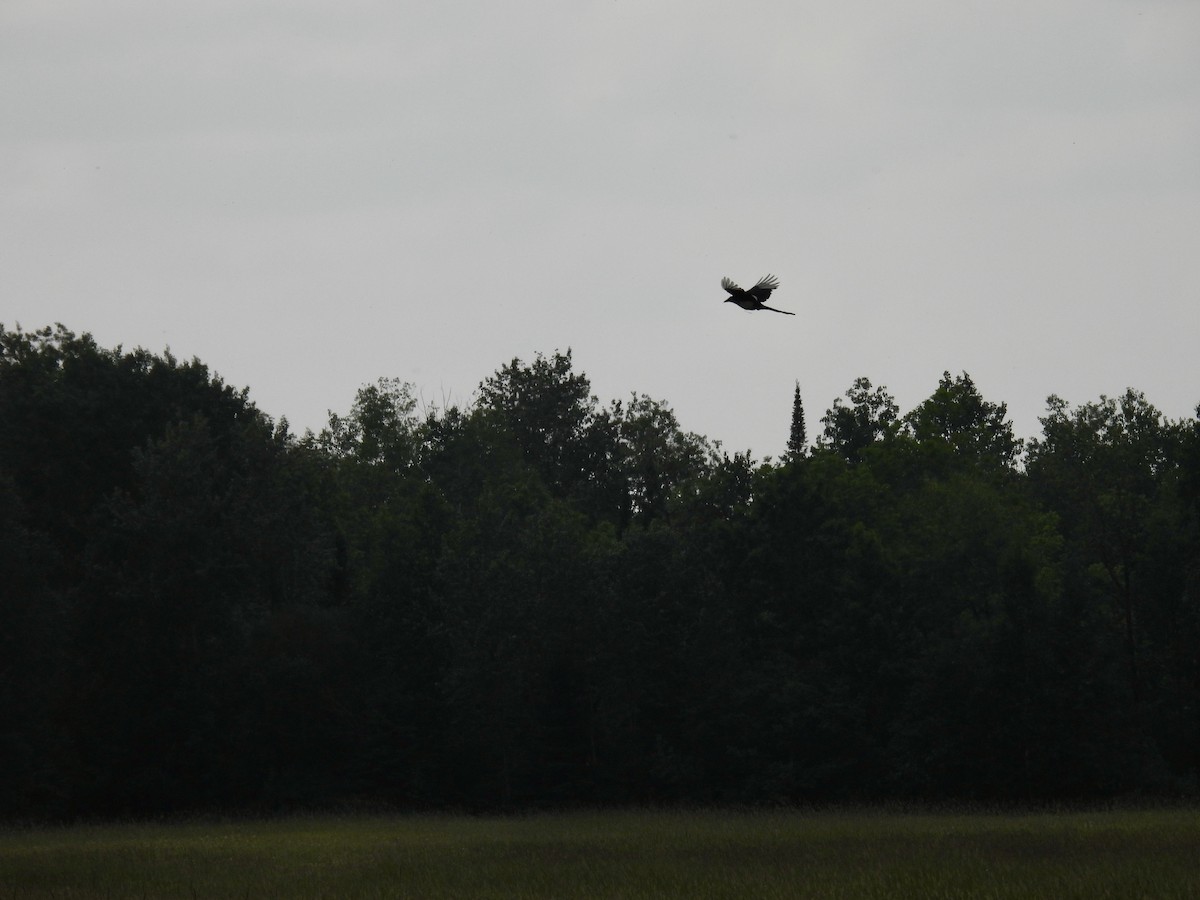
(541, 600)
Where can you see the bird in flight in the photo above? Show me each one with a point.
(753, 298)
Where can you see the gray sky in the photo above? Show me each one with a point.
(311, 195)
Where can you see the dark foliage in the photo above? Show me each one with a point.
(544, 601)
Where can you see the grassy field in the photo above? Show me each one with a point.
(851, 854)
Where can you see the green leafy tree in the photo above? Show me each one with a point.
(958, 419)
(1112, 470)
(190, 573)
(562, 434)
(812, 592)
(380, 429)
(397, 483)
(73, 413)
(1099, 466)
(518, 583)
(870, 416)
(657, 459)
(1010, 690)
(33, 659)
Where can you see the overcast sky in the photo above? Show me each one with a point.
(312, 195)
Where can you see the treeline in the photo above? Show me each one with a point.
(542, 600)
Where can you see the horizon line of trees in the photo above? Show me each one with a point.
(540, 600)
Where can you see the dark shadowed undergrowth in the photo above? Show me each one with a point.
(699, 854)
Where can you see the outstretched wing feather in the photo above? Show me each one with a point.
(728, 284)
(762, 290)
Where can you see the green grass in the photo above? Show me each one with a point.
(851, 854)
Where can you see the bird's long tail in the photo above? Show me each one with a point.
(773, 309)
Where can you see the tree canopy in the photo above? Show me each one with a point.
(542, 599)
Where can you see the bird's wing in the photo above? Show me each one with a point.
(728, 284)
(762, 290)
